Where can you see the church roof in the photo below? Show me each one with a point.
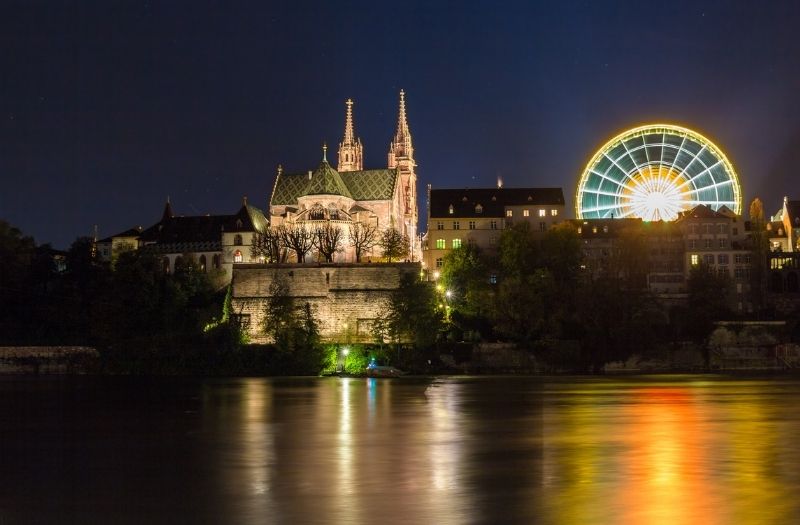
(364, 185)
(326, 181)
(203, 230)
(489, 202)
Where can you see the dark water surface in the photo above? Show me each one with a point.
(649, 450)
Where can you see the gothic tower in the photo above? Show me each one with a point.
(351, 153)
(401, 157)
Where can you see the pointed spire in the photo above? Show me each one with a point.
(324, 152)
(244, 200)
(351, 152)
(167, 211)
(401, 146)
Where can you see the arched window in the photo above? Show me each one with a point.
(317, 213)
(237, 256)
(202, 263)
(215, 261)
(237, 240)
(178, 263)
(165, 264)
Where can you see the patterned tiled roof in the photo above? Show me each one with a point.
(326, 181)
(364, 185)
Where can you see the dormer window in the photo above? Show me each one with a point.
(450, 209)
(239, 223)
(530, 198)
(464, 198)
(478, 208)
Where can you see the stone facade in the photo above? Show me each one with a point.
(345, 298)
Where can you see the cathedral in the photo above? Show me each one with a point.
(344, 196)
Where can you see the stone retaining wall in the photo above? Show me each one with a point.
(345, 298)
(46, 359)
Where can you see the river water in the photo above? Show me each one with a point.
(634, 450)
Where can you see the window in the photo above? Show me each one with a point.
(693, 244)
(542, 226)
(553, 212)
(542, 213)
(694, 228)
(723, 258)
(456, 243)
(456, 226)
(440, 244)
(237, 256)
(707, 243)
(438, 262)
(509, 213)
(723, 243)
(440, 225)
(695, 259)
(747, 258)
(471, 225)
(478, 208)
(526, 213)
(493, 225)
(450, 209)
(237, 240)
(216, 261)
(493, 279)
(471, 241)
(736, 231)
(493, 240)
(708, 258)
(738, 258)
(202, 263)
(580, 230)
(708, 228)
(723, 228)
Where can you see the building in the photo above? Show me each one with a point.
(786, 225)
(348, 194)
(477, 216)
(213, 242)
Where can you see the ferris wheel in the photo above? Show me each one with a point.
(655, 172)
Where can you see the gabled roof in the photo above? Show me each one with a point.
(132, 232)
(492, 201)
(363, 185)
(203, 230)
(701, 211)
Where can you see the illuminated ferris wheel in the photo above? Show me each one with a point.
(655, 172)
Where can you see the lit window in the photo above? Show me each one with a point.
(450, 209)
(440, 244)
(553, 212)
(440, 225)
(471, 225)
(478, 209)
(438, 262)
(695, 259)
(542, 213)
(493, 279)
(509, 213)
(580, 230)
(456, 243)
(526, 213)
(594, 229)
(237, 256)
(455, 225)
(605, 229)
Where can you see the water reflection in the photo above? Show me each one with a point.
(450, 450)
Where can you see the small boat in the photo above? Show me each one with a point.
(383, 371)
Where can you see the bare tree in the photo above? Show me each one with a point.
(299, 239)
(270, 245)
(328, 240)
(363, 236)
(394, 244)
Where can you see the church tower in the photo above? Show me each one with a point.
(351, 152)
(401, 157)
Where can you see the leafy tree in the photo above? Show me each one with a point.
(411, 313)
(523, 309)
(759, 247)
(394, 244)
(708, 293)
(561, 253)
(465, 278)
(362, 237)
(518, 251)
(295, 330)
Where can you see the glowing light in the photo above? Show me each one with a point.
(436, 275)
(655, 172)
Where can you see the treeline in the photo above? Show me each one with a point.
(540, 295)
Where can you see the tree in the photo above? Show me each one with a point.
(411, 313)
(269, 244)
(708, 300)
(394, 244)
(759, 246)
(328, 240)
(362, 237)
(561, 253)
(518, 250)
(465, 278)
(299, 239)
(524, 306)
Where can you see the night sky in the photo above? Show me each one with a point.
(106, 108)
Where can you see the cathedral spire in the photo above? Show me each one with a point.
(167, 211)
(351, 153)
(401, 146)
